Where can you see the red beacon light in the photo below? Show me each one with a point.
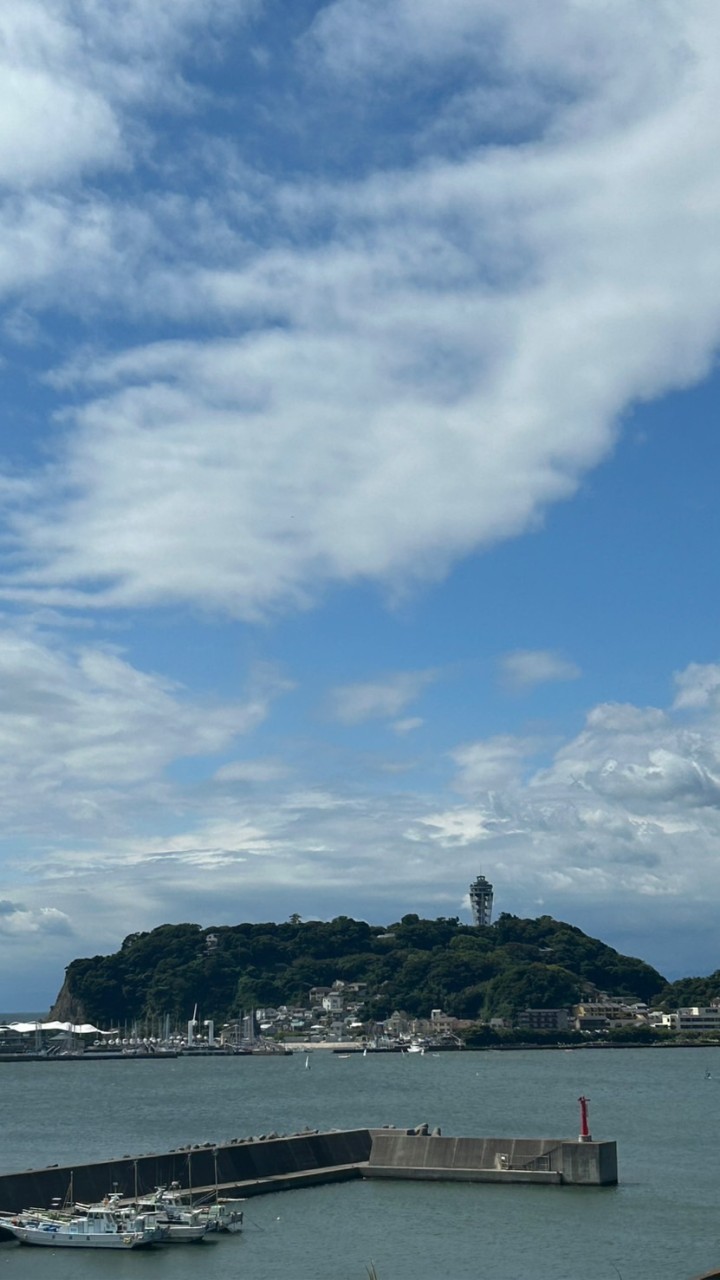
(585, 1135)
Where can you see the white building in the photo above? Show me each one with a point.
(333, 1002)
(691, 1019)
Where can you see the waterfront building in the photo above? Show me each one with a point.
(543, 1019)
(602, 1012)
(481, 900)
(690, 1019)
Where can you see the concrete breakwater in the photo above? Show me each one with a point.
(254, 1166)
(246, 1166)
(431, 1157)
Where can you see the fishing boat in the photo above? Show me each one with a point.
(182, 1223)
(225, 1215)
(222, 1214)
(188, 1219)
(97, 1227)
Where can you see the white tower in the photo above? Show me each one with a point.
(481, 900)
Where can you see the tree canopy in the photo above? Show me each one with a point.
(414, 965)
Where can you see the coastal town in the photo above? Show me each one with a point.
(333, 1018)
(532, 1000)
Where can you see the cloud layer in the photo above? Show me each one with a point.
(414, 363)
(292, 311)
(618, 821)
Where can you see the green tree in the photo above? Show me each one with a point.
(533, 986)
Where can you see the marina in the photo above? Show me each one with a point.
(656, 1224)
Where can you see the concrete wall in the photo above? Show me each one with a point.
(247, 1160)
(590, 1163)
(492, 1159)
(252, 1166)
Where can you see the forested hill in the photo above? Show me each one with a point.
(414, 965)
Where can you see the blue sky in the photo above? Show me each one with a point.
(358, 472)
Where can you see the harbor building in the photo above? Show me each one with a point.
(481, 900)
(693, 1019)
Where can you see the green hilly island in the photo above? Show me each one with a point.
(414, 965)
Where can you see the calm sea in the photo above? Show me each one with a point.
(660, 1223)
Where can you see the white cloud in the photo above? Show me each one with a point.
(497, 762)
(631, 806)
(81, 730)
(626, 811)
(252, 771)
(70, 71)
(407, 725)
(54, 121)
(378, 374)
(459, 827)
(529, 667)
(76, 80)
(17, 921)
(698, 686)
(380, 699)
(449, 357)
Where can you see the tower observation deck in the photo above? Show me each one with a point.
(481, 900)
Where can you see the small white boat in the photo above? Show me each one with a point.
(181, 1224)
(225, 1215)
(176, 1206)
(95, 1228)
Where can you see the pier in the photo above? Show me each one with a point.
(430, 1157)
(259, 1165)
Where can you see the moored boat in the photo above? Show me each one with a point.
(96, 1227)
(223, 1214)
(183, 1222)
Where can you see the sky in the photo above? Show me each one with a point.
(358, 468)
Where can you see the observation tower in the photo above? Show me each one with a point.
(481, 900)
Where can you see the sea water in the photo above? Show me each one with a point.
(661, 1105)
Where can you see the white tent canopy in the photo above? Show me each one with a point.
(75, 1028)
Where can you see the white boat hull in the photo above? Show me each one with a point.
(54, 1236)
(185, 1232)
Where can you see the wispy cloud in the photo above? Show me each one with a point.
(526, 668)
(380, 699)
(81, 728)
(628, 809)
(449, 357)
(252, 771)
(409, 724)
